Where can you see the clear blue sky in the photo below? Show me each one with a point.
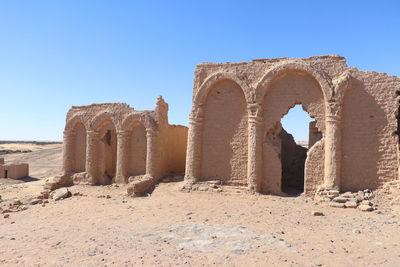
(55, 54)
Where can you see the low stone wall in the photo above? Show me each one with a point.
(14, 171)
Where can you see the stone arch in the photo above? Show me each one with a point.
(136, 154)
(283, 88)
(224, 133)
(77, 129)
(208, 84)
(147, 121)
(71, 123)
(106, 128)
(100, 119)
(264, 84)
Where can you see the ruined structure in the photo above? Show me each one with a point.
(235, 135)
(113, 143)
(13, 171)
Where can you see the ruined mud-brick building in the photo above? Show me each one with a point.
(13, 171)
(113, 143)
(235, 134)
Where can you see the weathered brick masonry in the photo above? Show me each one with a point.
(237, 108)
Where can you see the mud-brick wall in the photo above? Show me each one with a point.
(137, 151)
(2, 169)
(314, 168)
(176, 143)
(369, 147)
(16, 171)
(224, 135)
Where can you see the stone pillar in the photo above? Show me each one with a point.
(193, 155)
(92, 159)
(69, 151)
(332, 151)
(151, 154)
(122, 157)
(254, 156)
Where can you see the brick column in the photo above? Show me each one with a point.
(333, 144)
(122, 157)
(193, 155)
(69, 151)
(151, 154)
(92, 159)
(254, 154)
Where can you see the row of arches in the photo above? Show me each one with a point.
(104, 152)
(231, 126)
(261, 87)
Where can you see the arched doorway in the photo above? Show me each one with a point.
(136, 157)
(224, 139)
(107, 151)
(283, 160)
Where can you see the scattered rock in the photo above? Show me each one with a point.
(317, 213)
(347, 195)
(336, 205)
(356, 231)
(16, 202)
(366, 202)
(203, 188)
(44, 194)
(21, 208)
(35, 201)
(61, 193)
(340, 199)
(364, 207)
(6, 216)
(351, 204)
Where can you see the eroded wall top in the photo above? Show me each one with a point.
(250, 75)
(120, 114)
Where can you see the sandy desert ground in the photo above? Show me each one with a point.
(101, 226)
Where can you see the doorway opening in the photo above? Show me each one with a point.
(298, 134)
(107, 152)
(5, 173)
